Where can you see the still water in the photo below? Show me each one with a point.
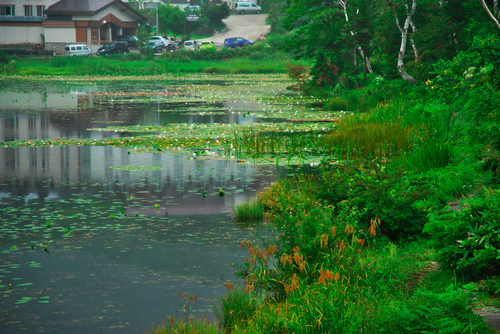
(103, 239)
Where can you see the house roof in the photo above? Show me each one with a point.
(86, 7)
(177, 1)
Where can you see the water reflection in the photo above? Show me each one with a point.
(96, 238)
(68, 112)
(144, 256)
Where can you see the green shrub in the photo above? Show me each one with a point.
(336, 103)
(381, 193)
(468, 240)
(3, 58)
(447, 311)
(133, 56)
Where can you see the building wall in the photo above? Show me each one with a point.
(19, 9)
(18, 34)
(60, 35)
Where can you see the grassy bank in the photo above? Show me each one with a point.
(259, 58)
(398, 232)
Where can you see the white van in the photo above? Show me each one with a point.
(246, 7)
(73, 50)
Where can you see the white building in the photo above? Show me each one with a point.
(30, 23)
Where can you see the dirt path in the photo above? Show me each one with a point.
(248, 26)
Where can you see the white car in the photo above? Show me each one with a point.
(190, 45)
(160, 38)
(73, 50)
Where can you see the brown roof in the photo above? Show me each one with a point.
(86, 7)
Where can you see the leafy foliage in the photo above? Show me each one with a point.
(468, 240)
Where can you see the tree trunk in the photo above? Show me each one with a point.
(343, 4)
(404, 40)
(489, 13)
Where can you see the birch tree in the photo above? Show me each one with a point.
(410, 12)
(490, 14)
(343, 4)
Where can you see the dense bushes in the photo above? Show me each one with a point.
(467, 238)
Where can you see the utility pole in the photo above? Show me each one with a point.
(157, 26)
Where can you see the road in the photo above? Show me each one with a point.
(249, 26)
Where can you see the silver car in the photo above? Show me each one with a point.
(247, 7)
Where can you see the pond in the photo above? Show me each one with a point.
(103, 238)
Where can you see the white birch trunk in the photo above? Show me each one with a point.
(489, 13)
(343, 4)
(404, 40)
(413, 28)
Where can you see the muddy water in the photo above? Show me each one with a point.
(101, 238)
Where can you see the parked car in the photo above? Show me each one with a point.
(173, 47)
(74, 50)
(160, 38)
(207, 45)
(131, 40)
(170, 40)
(156, 45)
(194, 8)
(114, 47)
(189, 45)
(237, 42)
(247, 7)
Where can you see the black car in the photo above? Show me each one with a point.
(131, 40)
(156, 45)
(173, 47)
(114, 47)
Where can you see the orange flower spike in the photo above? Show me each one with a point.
(243, 244)
(321, 276)
(171, 320)
(334, 233)
(196, 297)
(249, 246)
(290, 261)
(191, 299)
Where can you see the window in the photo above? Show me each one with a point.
(7, 10)
(39, 10)
(28, 10)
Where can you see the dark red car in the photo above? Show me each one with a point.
(172, 47)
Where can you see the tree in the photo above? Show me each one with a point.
(171, 19)
(410, 12)
(333, 33)
(275, 9)
(216, 14)
(143, 37)
(495, 11)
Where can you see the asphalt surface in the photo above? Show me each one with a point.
(248, 26)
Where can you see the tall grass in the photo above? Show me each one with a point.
(235, 309)
(357, 140)
(249, 211)
(198, 325)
